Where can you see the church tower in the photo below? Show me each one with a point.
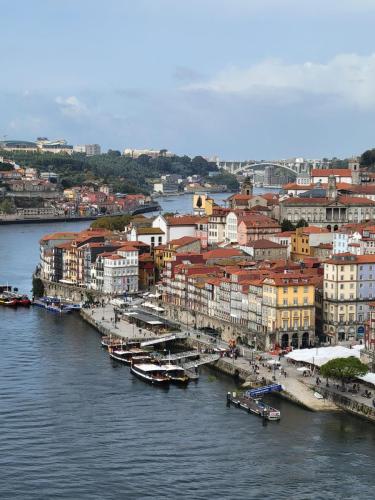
(247, 187)
(354, 167)
(331, 188)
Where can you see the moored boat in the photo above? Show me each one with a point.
(126, 355)
(176, 374)
(253, 405)
(7, 301)
(151, 373)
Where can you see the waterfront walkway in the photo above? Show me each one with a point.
(103, 318)
(298, 388)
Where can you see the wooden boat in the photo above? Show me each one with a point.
(151, 373)
(125, 355)
(176, 374)
(7, 301)
(253, 405)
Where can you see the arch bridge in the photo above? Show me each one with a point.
(240, 167)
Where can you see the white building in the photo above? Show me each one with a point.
(343, 241)
(87, 149)
(231, 228)
(176, 227)
(120, 272)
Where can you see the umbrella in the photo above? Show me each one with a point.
(273, 362)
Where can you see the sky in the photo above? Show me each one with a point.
(240, 79)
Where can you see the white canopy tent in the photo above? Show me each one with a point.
(369, 378)
(321, 355)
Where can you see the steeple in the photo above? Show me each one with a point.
(331, 188)
(353, 164)
(247, 187)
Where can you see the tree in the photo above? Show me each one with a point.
(7, 207)
(38, 287)
(344, 369)
(302, 223)
(286, 225)
(113, 223)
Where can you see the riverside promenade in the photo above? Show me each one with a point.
(103, 319)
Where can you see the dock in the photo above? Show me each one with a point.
(165, 338)
(204, 359)
(181, 355)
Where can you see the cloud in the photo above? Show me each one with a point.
(347, 78)
(71, 106)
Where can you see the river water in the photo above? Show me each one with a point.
(74, 425)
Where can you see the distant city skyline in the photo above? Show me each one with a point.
(232, 78)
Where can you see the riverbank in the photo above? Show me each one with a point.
(102, 318)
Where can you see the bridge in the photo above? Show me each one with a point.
(240, 167)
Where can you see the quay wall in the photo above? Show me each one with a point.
(69, 292)
(195, 319)
(349, 405)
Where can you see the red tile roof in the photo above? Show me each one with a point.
(183, 220)
(319, 172)
(258, 244)
(184, 240)
(222, 253)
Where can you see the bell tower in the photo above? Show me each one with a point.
(353, 165)
(332, 188)
(247, 187)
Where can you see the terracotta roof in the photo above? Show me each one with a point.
(59, 236)
(221, 253)
(284, 234)
(240, 197)
(183, 220)
(343, 199)
(149, 230)
(314, 230)
(349, 258)
(343, 172)
(355, 200)
(64, 246)
(264, 244)
(317, 185)
(184, 240)
(327, 246)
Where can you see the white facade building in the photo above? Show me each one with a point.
(120, 272)
(231, 228)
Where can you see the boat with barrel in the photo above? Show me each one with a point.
(151, 373)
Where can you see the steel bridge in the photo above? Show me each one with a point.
(239, 167)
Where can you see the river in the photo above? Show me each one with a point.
(74, 425)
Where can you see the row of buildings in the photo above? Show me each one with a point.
(45, 145)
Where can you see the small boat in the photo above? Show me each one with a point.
(151, 373)
(125, 356)
(7, 301)
(318, 396)
(176, 374)
(253, 405)
(52, 304)
(11, 297)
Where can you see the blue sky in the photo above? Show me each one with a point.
(236, 78)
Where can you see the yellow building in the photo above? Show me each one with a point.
(203, 204)
(289, 310)
(305, 239)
